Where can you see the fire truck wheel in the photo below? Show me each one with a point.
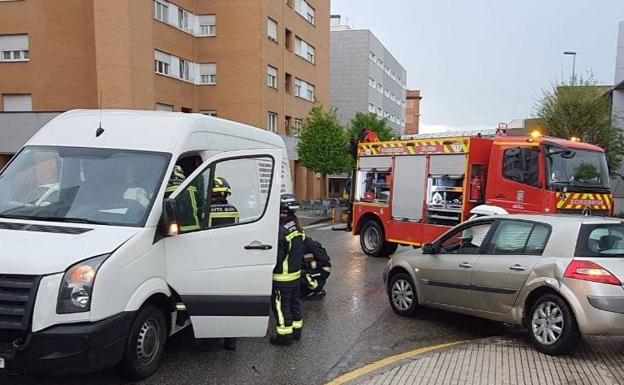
(372, 240)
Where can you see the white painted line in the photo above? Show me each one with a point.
(315, 226)
(327, 227)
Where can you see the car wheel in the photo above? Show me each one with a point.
(402, 295)
(372, 240)
(552, 326)
(146, 343)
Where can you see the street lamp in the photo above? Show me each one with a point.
(573, 61)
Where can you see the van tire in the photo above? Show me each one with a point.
(372, 240)
(146, 343)
(548, 311)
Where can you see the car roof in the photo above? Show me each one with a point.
(554, 219)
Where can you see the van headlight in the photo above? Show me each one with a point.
(77, 286)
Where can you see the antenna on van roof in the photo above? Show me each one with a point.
(100, 130)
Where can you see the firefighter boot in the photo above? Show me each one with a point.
(282, 340)
(297, 334)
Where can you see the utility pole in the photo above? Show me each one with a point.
(573, 54)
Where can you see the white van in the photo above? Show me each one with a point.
(100, 274)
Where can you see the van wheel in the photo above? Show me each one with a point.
(552, 326)
(146, 343)
(402, 295)
(372, 240)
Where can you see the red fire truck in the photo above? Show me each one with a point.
(409, 192)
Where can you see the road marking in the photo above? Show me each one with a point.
(315, 226)
(345, 378)
(327, 227)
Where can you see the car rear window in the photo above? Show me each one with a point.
(601, 240)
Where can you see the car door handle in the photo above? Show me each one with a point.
(517, 267)
(258, 247)
(465, 265)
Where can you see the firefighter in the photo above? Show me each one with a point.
(188, 211)
(285, 299)
(222, 213)
(315, 270)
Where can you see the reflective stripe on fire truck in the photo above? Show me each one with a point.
(455, 146)
(578, 201)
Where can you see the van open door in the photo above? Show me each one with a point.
(222, 260)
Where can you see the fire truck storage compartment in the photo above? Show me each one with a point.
(409, 191)
(374, 174)
(445, 189)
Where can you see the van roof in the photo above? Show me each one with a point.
(141, 130)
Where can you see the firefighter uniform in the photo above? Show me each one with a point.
(316, 271)
(222, 213)
(188, 209)
(285, 299)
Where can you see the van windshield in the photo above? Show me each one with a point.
(82, 185)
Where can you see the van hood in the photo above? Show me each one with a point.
(39, 248)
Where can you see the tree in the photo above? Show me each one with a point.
(323, 143)
(579, 108)
(362, 122)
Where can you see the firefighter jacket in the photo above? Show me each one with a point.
(222, 213)
(314, 247)
(287, 271)
(186, 202)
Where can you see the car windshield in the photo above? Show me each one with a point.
(576, 168)
(604, 240)
(82, 185)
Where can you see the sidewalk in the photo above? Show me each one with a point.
(308, 220)
(507, 361)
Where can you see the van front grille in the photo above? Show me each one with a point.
(17, 300)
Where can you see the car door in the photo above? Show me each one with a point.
(224, 274)
(502, 270)
(445, 275)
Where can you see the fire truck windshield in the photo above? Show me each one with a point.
(577, 170)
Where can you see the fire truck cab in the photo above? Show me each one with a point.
(411, 191)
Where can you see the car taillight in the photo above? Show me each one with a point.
(590, 271)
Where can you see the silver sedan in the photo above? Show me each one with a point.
(560, 276)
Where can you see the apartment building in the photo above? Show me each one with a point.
(412, 112)
(365, 76)
(259, 62)
(617, 96)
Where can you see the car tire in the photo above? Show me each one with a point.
(146, 343)
(552, 326)
(402, 295)
(372, 240)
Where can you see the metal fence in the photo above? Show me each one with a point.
(320, 208)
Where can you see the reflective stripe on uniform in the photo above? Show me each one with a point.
(224, 215)
(281, 328)
(284, 330)
(312, 284)
(287, 277)
(297, 324)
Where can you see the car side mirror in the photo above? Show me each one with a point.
(170, 217)
(428, 248)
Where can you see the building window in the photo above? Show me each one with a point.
(387, 93)
(208, 73)
(272, 29)
(183, 19)
(17, 102)
(289, 40)
(410, 118)
(305, 10)
(379, 111)
(272, 121)
(14, 48)
(372, 82)
(410, 103)
(380, 87)
(164, 107)
(161, 11)
(288, 83)
(379, 63)
(297, 127)
(372, 56)
(162, 63)
(272, 77)
(209, 113)
(371, 108)
(185, 72)
(304, 90)
(208, 25)
(304, 50)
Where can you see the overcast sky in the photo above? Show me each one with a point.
(481, 62)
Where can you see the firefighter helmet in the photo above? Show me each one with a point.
(177, 176)
(221, 187)
(288, 204)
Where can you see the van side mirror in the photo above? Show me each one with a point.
(428, 248)
(170, 217)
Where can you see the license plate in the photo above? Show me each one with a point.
(1, 363)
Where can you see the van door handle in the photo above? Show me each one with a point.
(465, 265)
(258, 247)
(517, 267)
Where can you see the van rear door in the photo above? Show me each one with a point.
(221, 263)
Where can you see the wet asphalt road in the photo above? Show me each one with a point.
(354, 325)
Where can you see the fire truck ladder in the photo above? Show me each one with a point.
(455, 134)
